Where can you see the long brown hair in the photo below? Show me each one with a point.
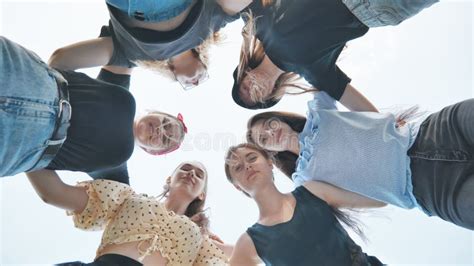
(284, 160)
(344, 217)
(252, 54)
(195, 210)
(164, 68)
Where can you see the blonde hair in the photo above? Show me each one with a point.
(163, 67)
(252, 54)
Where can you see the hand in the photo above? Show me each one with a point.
(215, 238)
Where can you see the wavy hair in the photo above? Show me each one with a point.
(252, 54)
(165, 68)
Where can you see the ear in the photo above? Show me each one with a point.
(270, 163)
(168, 180)
(202, 196)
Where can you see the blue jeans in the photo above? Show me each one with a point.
(378, 13)
(151, 10)
(442, 164)
(28, 108)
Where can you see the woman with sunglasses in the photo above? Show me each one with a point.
(290, 38)
(139, 229)
(64, 120)
(171, 37)
(427, 163)
(297, 228)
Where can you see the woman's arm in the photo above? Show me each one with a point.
(341, 198)
(52, 190)
(90, 53)
(355, 101)
(232, 7)
(244, 252)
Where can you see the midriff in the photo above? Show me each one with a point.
(130, 249)
(167, 25)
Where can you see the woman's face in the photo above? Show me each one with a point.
(188, 70)
(249, 169)
(158, 132)
(272, 134)
(189, 178)
(256, 86)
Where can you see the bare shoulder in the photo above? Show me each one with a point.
(244, 252)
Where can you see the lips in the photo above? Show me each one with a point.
(251, 175)
(187, 180)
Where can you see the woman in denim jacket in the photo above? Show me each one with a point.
(171, 37)
(64, 120)
(427, 163)
(286, 39)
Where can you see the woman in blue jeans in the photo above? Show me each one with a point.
(286, 39)
(69, 121)
(428, 163)
(171, 37)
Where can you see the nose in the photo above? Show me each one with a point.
(191, 173)
(248, 166)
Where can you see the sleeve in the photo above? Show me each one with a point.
(326, 76)
(118, 56)
(105, 199)
(117, 79)
(210, 254)
(119, 174)
(323, 101)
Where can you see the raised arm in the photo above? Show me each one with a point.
(244, 252)
(341, 198)
(232, 7)
(52, 190)
(355, 101)
(90, 53)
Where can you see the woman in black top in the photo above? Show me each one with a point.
(101, 130)
(175, 45)
(298, 228)
(287, 38)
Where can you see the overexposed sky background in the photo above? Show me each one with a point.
(426, 60)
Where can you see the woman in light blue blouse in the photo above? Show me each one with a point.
(427, 164)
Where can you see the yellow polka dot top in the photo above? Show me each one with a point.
(126, 217)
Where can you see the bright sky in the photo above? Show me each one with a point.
(427, 61)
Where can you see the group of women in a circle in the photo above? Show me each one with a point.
(54, 118)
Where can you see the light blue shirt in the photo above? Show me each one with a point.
(362, 152)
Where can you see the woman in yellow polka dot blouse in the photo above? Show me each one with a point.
(138, 229)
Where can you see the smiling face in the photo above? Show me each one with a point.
(256, 86)
(272, 134)
(158, 132)
(248, 169)
(190, 178)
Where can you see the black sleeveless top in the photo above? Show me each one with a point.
(313, 236)
(306, 37)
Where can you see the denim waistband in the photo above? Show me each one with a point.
(62, 122)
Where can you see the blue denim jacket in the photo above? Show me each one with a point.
(151, 10)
